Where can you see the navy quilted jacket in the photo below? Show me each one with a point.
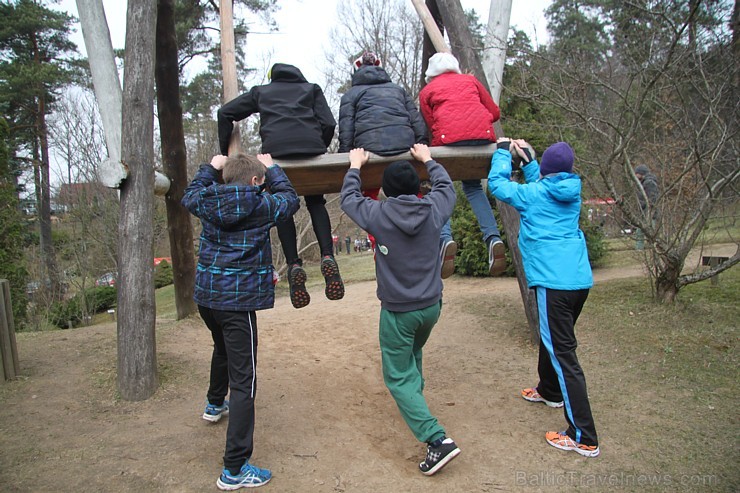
(379, 115)
(234, 271)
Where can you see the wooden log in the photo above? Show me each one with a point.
(107, 86)
(430, 26)
(8, 347)
(228, 66)
(325, 173)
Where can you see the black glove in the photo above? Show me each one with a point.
(505, 145)
(528, 155)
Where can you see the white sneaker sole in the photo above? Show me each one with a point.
(214, 419)
(231, 487)
(585, 453)
(544, 401)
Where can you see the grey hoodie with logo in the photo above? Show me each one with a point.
(406, 230)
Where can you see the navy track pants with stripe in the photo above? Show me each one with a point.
(561, 376)
(234, 366)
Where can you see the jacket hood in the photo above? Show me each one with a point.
(408, 213)
(563, 187)
(368, 75)
(283, 72)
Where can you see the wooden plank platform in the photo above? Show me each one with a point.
(325, 174)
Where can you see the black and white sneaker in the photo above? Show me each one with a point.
(439, 456)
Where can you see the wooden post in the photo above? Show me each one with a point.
(430, 26)
(494, 54)
(9, 364)
(455, 23)
(137, 358)
(228, 66)
(111, 172)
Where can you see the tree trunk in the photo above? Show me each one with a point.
(44, 210)
(174, 158)
(456, 24)
(137, 359)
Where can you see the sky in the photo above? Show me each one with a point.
(302, 24)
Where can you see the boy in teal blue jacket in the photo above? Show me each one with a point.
(556, 266)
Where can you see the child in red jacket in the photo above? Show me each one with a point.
(460, 112)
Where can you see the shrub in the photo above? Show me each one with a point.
(163, 275)
(67, 314)
(472, 256)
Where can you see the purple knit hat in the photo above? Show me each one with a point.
(557, 158)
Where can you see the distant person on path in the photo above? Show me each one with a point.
(234, 279)
(295, 122)
(347, 242)
(556, 265)
(647, 197)
(410, 292)
(460, 112)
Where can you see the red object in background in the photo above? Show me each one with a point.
(158, 260)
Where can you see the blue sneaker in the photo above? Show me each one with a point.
(215, 413)
(249, 477)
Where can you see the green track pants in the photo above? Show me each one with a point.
(402, 337)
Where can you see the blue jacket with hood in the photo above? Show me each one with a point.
(552, 245)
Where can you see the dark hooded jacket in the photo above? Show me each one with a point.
(649, 184)
(295, 118)
(378, 115)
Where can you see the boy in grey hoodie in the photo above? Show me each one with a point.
(406, 229)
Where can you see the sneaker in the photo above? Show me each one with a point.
(532, 395)
(438, 457)
(297, 280)
(215, 413)
(447, 256)
(496, 258)
(334, 286)
(564, 442)
(249, 477)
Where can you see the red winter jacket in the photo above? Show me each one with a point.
(457, 107)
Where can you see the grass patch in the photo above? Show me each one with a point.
(356, 267)
(668, 373)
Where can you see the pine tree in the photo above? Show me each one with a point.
(34, 67)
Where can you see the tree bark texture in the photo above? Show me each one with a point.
(137, 361)
(461, 40)
(174, 158)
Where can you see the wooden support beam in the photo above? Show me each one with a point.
(228, 66)
(325, 173)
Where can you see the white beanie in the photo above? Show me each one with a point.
(441, 63)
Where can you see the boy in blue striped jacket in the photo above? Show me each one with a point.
(234, 279)
(556, 265)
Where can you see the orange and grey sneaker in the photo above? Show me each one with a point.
(334, 286)
(564, 442)
(299, 297)
(532, 395)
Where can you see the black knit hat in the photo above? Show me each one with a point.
(400, 178)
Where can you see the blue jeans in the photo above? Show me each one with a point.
(482, 210)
